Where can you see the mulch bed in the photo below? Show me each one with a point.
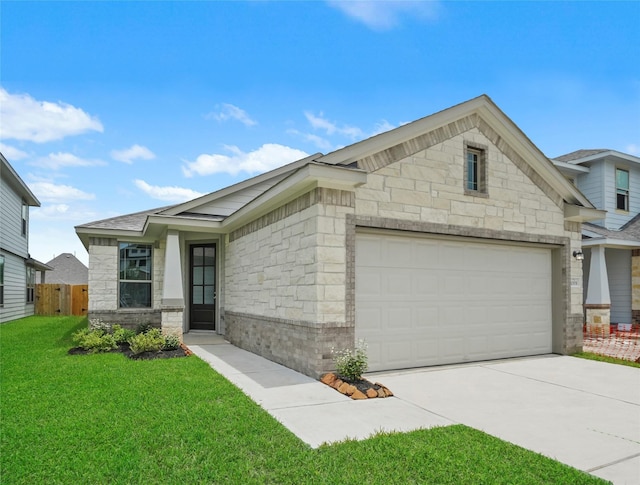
(124, 349)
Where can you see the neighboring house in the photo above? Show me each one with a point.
(449, 239)
(17, 268)
(67, 270)
(611, 181)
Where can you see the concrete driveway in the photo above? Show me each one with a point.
(582, 413)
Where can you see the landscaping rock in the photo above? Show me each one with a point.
(358, 389)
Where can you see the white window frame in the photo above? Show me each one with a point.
(148, 266)
(477, 185)
(622, 191)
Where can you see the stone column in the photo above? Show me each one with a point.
(172, 290)
(598, 303)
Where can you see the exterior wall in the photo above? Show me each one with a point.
(15, 295)
(635, 286)
(425, 193)
(11, 238)
(103, 286)
(15, 249)
(599, 186)
(619, 274)
(285, 281)
(592, 186)
(290, 276)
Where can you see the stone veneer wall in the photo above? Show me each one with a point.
(425, 192)
(285, 281)
(635, 286)
(103, 286)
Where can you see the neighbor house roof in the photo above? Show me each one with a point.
(589, 155)
(228, 208)
(67, 269)
(627, 235)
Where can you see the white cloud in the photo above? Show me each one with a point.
(231, 112)
(331, 128)
(633, 149)
(318, 141)
(48, 192)
(56, 161)
(135, 152)
(12, 153)
(171, 194)
(25, 118)
(265, 158)
(386, 14)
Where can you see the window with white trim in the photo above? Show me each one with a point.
(25, 215)
(135, 275)
(622, 189)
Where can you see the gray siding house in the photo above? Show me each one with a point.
(611, 181)
(448, 239)
(17, 268)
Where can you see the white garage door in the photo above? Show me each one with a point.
(427, 301)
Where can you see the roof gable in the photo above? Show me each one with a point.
(13, 179)
(480, 113)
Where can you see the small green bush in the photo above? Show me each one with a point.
(94, 340)
(171, 342)
(143, 327)
(351, 364)
(151, 341)
(122, 335)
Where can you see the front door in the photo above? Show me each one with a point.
(202, 281)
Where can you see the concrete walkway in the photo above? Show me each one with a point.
(583, 413)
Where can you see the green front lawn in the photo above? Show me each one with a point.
(604, 358)
(107, 419)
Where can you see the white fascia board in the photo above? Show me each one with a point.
(610, 243)
(182, 223)
(303, 180)
(571, 168)
(377, 143)
(84, 233)
(576, 213)
(609, 153)
(519, 141)
(12, 177)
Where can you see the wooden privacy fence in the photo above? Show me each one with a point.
(58, 299)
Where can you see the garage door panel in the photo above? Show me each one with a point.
(446, 301)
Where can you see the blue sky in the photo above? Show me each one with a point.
(108, 108)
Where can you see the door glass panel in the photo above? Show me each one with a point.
(209, 275)
(198, 254)
(209, 295)
(197, 295)
(197, 275)
(209, 256)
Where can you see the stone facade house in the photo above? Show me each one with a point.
(449, 239)
(611, 245)
(17, 268)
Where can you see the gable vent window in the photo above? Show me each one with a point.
(475, 169)
(622, 190)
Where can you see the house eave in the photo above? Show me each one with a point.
(576, 213)
(84, 233)
(610, 243)
(303, 180)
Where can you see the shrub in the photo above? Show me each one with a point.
(351, 364)
(143, 327)
(94, 340)
(97, 324)
(171, 342)
(151, 341)
(122, 335)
